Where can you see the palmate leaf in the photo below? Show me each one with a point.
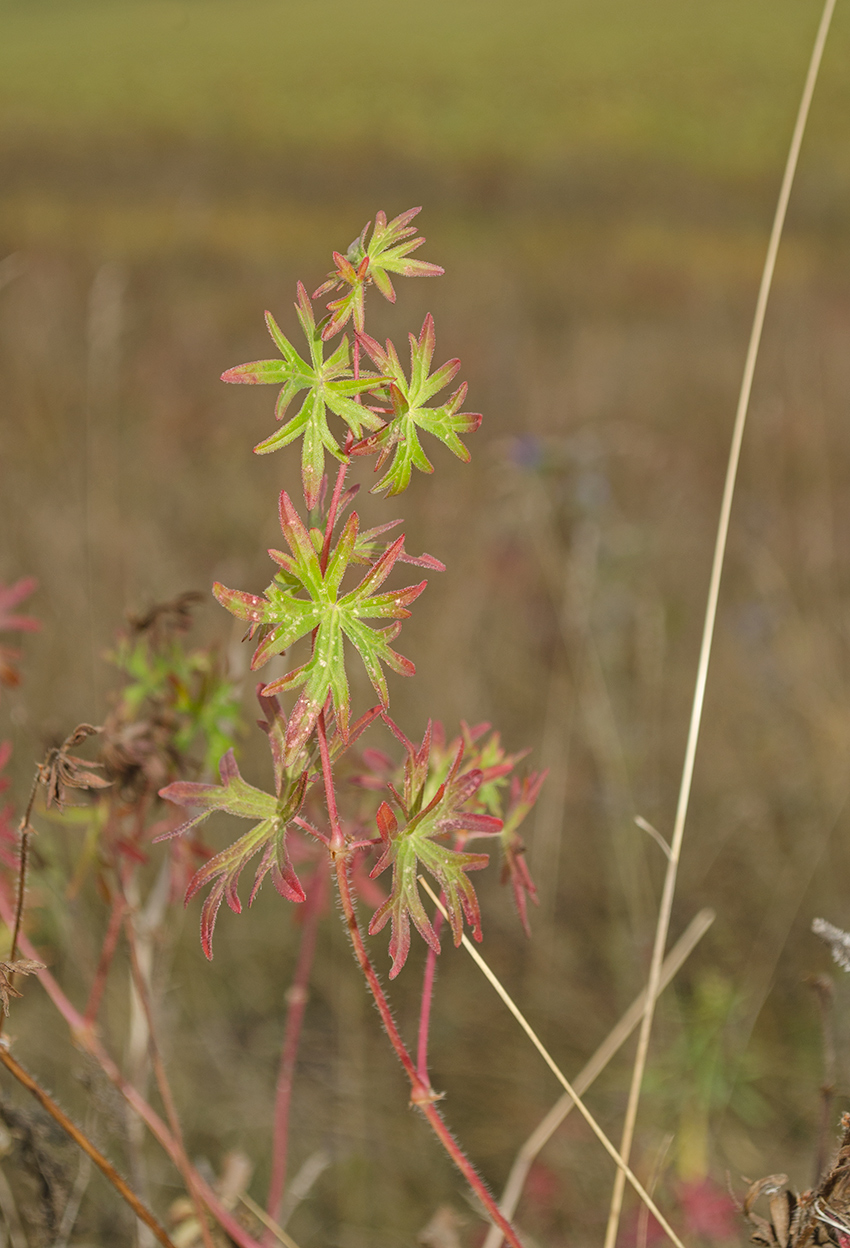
(272, 815)
(330, 385)
(283, 618)
(524, 794)
(418, 843)
(388, 251)
(409, 399)
(427, 767)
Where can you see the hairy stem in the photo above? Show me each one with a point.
(20, 898)
(666, 907)
(22, 869)
(420, 1092)
(297, 1000)
(425, 1007)
(79, 1137)
(337, 841)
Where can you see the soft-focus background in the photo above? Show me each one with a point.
(598, 179)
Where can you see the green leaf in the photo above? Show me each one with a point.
(418, 843)
(187, 690)
(272, 815)
(330, 385)
(283, 618)
(388, 251)
(400, 437)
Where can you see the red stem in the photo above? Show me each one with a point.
(332, 510)
(107, 953)
(297, 999)
(84, 1036)
(337, 843)
(183, 1164)
(421, 1094)
(427, 997)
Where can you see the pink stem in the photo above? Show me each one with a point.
(84, 1035)
(425, 1008)
(182, 1160)
(337, 843)
(107, 953)
(297, 998)
(332, 510)
(421, 1094)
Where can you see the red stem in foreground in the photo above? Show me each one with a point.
(107, 953)
(297, 999)
(421, 1094)
(84, 1036)
(183, 1163)
(337, 843)
(427, 997)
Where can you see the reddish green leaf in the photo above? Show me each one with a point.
(410, 413)
(273, 815)
(284, 618)
(524, 794)
(388, 251)
(330, 385)
(418, 843)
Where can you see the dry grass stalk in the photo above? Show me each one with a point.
(669, 890)
(559, 1075)
(611, 1045)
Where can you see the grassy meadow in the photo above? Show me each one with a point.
(598, 180)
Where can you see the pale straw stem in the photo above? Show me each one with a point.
(710, 617)
(556, 1071)
(611, 1045)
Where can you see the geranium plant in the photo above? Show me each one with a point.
(330, 590)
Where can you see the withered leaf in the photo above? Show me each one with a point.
(62, 770)
(23, 966)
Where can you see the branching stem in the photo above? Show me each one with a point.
(421, 1094)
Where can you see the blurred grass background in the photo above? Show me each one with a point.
(598, 180)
